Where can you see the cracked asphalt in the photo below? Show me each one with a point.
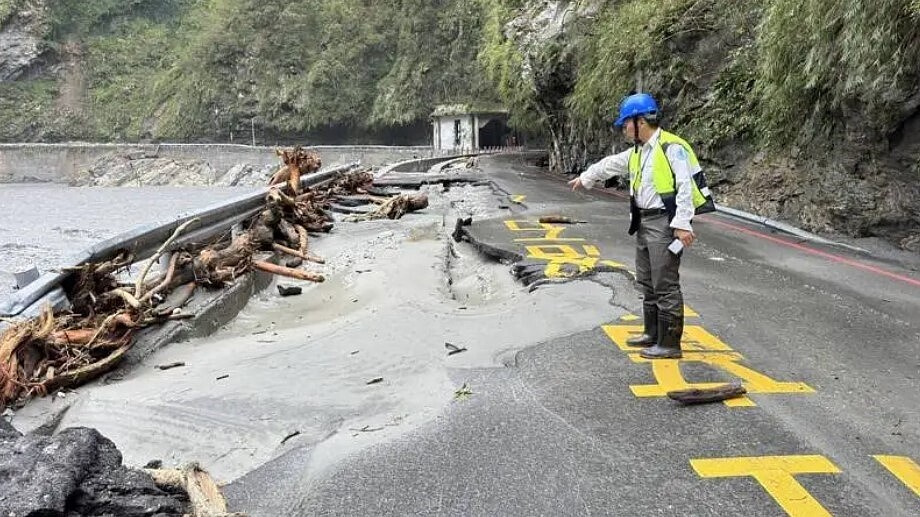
(547, 412)
(827, 343)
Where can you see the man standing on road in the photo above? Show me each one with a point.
(663, 199)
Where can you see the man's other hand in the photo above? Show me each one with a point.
(685, 237)
(576, 183)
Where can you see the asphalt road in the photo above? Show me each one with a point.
(548, 412)
(827, 343)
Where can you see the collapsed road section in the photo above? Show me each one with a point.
(116, 306)
(361, 358)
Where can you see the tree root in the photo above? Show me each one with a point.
(65, 350)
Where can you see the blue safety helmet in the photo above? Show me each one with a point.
(636, 105)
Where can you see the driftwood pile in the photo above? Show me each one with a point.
(67, 349)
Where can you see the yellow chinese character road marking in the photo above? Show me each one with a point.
(667, 374)
(630, 317)
(776, 475)
(554, 252)
(528, 226)
(695, 339)
(559, 255)
(518, 199)
(904, 469)
(551, 234)
(690, 313)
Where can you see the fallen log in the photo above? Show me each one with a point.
(88, 372)
(182, 295)
(559, 219)
(303, 242)
(360, 200)
(297, 162)
(204, 495)
(170, 273)
(298, 254)
(298, 274)
(73, 336)
(395, 207)
(127, 297)
(347, 210)
(138, 290)
(708, 395)
(67, 349)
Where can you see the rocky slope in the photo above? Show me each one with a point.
(127, 170)
(804, 110)
(22, 47)
(801, 112)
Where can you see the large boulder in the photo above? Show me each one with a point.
(77, 472)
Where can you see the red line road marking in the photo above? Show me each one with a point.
(806, 249)
(822, 254)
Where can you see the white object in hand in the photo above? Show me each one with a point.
(676, 246)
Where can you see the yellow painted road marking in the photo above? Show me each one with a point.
(690, 313)
(551, 233)
(549, 239)
(559, 255)
(776, 475)
(668, 375)
(904, 469)
(630, 317)
(518, 199)
(695, 339)
(528, 226)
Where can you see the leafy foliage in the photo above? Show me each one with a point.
(778, 71)
(820, 64)
(775, 71)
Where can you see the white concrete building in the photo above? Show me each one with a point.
(462, 127)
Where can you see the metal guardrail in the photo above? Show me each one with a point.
(144, 240)
(787, 228)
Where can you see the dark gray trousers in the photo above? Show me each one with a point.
(657, 269)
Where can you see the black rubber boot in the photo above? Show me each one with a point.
(669, 334)
(650, 336)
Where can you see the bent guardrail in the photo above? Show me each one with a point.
(144, 240)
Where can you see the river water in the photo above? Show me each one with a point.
(43, 223)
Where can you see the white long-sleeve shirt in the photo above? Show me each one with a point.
(647, 197)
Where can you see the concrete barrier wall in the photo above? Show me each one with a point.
(59, 162)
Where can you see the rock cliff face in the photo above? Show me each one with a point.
(21, 40)
(852, 166)
(547, 36)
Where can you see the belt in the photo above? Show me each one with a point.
(652, 211)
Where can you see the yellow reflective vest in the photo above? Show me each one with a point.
(664, 179)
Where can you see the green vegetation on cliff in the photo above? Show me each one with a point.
(758, 72)
(761, 71)
(752, 83)
(201, 69)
